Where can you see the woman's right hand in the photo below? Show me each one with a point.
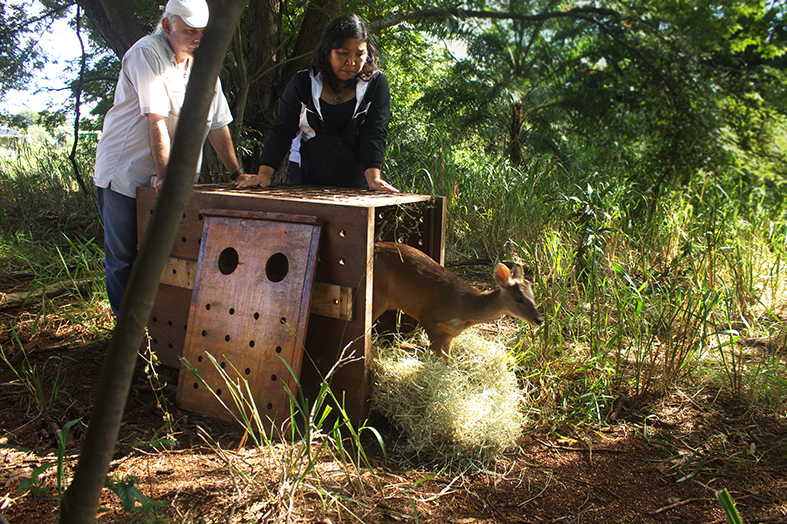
(261, 179)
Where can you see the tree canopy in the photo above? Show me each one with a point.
(667, 90)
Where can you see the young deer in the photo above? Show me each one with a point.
(444, 304)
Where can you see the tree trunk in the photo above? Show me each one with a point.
(515, 135)
(115, 22)
(80, 501)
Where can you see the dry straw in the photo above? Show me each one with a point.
(463, 415)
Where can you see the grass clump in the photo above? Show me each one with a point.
(463, 415)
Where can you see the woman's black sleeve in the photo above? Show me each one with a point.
(374, 131)
(285, 126)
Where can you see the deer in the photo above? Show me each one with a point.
(406, 279)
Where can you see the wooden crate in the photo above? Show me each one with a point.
(352, 220)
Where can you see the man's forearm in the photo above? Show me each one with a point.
(222, 143)
(159, 143)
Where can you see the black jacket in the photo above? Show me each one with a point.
(328, 158)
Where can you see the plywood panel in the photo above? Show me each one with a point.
(249, 310)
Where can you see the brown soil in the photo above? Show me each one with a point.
(657, 460)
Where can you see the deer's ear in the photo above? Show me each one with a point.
(518, 273)
(502, 275)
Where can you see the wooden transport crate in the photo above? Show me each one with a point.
(352, 220)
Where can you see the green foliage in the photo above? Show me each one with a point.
(130, 495)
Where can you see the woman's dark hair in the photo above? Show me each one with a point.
(333, 37)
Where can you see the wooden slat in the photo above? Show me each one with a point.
(329, 300)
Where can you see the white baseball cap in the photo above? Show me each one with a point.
(194, 12)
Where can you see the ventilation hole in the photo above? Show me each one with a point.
(218, 392)
(269, 406)
(204, 333)
(341, 261)
(184, 215)
(232, 311)
(195, 386)
(278, 349)
(199, 358)
(200, 217)
(199, 241)
(251, 343)
(223, 365)
(335, 301)
(169, 323)
(185, 327)
(277, 267)
(174, 271)
(155, 319)
(342, 233)
(247, 371)
(420, 242)
(256, 316)
(207, 306)
(155, 341)
(283, 320)
(227, 338)
(170, 346)
(228, 261)
(183, 239)
(273, 378)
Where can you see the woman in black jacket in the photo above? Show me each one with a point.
(337, 112)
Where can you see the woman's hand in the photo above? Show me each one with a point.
(375, 181)
(261, 179)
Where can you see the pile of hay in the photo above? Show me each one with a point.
(461, 415)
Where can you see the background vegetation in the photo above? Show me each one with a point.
(632, 154)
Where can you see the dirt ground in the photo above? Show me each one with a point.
(658, 460)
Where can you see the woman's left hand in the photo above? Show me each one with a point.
(375, 181)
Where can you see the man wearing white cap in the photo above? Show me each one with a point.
(138, 130)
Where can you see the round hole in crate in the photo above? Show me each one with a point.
(278, 349)
(218, 392)
(155, 341)
(228, 261)
(251, 343)
(277, 267)
(273, 378)
(196, 385)
(184, 215)
(342, 233)
(269, 406)
(227, 338)
(154, 319)
(207, 306)
(223, 365)
(183, 239)
(232, 311)
(283, 320)
(256, 316)
(169, 323)
(247, 371)
(174, 271)
(200, 217)
(336, 301)
(185, 327)
(199, 358)
(204, 333)
(341, 262)
(170, 346)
